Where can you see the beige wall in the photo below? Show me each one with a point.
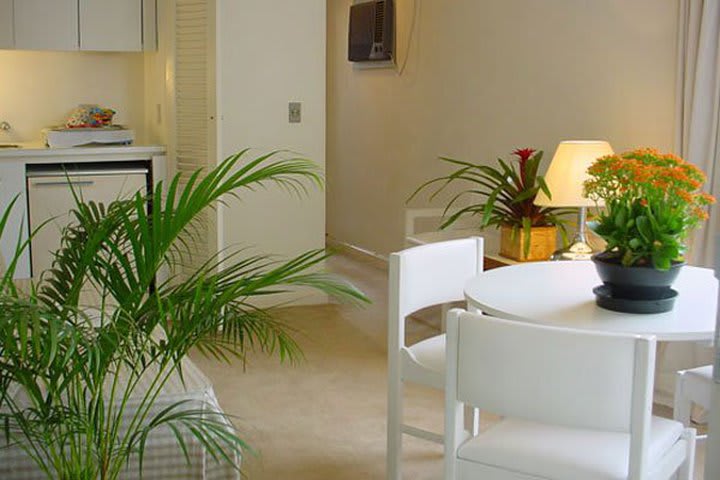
(271, 53)
(483, 78)
(158, 71)
(38, 89)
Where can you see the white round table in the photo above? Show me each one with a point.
(560, 293)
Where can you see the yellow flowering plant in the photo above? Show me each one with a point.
(653, 201)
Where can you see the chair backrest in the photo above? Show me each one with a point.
(432, 274)
(552, 375)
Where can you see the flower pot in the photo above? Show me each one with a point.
(636, 289)
(542, 243)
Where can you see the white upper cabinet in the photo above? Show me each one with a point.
(6, 24)
(46, 24)
(95, 25)
(111, 25)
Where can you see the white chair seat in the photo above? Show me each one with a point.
(424, 362)
(692, 386)
(430, 353)
(561, 453)
(698, 383)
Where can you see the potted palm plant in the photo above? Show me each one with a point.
(503, 197)
(79, 389)
(653, 201)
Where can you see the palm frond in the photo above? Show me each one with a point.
(77, 372)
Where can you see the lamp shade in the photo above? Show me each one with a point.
(568, 171)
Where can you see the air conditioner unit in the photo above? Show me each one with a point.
(372, 31)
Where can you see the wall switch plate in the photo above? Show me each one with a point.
(294, 112)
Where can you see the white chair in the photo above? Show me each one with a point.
(432, 274)
(692, 386)
(576, 405)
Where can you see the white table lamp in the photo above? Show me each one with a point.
(564, 178)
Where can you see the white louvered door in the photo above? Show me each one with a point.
(195, 141)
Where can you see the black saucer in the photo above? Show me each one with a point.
(605, 299)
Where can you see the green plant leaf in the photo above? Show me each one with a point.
(527, 230)
(621, 214)
(526, 195)
(635, 243)
(644, 229)
(544, 187)
(490, 205)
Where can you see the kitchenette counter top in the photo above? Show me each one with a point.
(40, 150)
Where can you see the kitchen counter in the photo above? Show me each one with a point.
(40, 150)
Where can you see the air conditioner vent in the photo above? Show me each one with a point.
(371, 34)
(379, 21)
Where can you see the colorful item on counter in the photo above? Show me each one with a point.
(90, 116)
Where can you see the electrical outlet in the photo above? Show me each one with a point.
(294, 112)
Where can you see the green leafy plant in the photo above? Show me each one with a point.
(68, 375)
(652, 200)
(502, 195)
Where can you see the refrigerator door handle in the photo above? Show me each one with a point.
(65, 183)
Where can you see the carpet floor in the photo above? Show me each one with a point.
(323, 418)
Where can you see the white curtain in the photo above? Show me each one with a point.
(698, 141)
(698, 96)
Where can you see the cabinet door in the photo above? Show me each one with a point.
(46, 24)
(111, 25)
(6, 24)
(51, 199)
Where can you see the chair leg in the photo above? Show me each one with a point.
(682, 407)
(444, 309)
(471, 420)
(687, 469)
(394, 429)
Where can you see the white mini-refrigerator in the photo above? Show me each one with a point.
(50, 199)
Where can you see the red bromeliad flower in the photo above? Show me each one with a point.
(524, 155)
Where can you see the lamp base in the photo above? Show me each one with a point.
(579, 249)
(576, 251)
